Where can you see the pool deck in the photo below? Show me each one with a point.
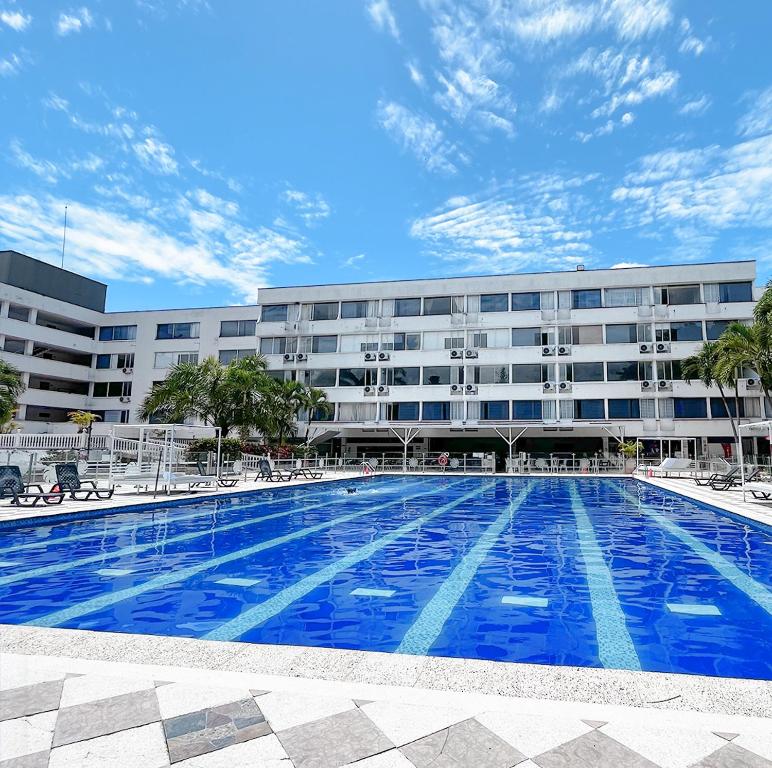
(112, 700)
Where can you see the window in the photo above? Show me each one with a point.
(15, 312)
(116, 417)
(526, 337)
(14, 346)
(624, 297)
(494, 302)
(624, 408)
(274, 313)
(491, 374)
(480, 340)
(686, 331)
(273, 345)
(103, 361)
(238, 328)
(525, 301)
(326, 310)
(401, 377)
(167, 359)
(437, 374)
(690, 408)
(401, 411)
(718, 409)
(349, 309)
(587, 334)
(438, 305)
(112, 389)
(494, 410)
(586, 299)
(526, 410)
(124, 360)
(226, 356)
(680, 294)
(731, 292)
(622, 333)
(589, 409)
(403, 341)
(436, 411)
(177, 331)
(714, 328)
(118, 333)
(588, 371)
(453, 342)
(622, 371)
(322, 377)
(669, 370)
(648, 409)
(527, 373)
(407, 307)
(324, 344)
(357, 377)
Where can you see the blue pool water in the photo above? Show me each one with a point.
(588, 572)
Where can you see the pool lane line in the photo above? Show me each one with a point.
(616, 649)
(103, 601)
(746, 584)
(136, 549)
(127, 527)
(259, 614)
(424, 631)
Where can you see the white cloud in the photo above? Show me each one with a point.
(156, 156)
(628, 265)
(690, 44)
(10, 65)
(15, 20)
(757, 121)
(383, 17)
(311, 208)
(49, 171)
(415, 74)
(696, 107)
(353, 262)
(421, 136)
(74, 21)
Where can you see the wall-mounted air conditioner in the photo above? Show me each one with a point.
(646, 349)
(471, 353)
(369, 390)
(548, 386)
(383, 389)
(664, 384)
(647, 386)
(125, 399)
(663, 346)
(564, 386)
(470, 389)
(456, 354)
(128, 370)
(564, 349)
(456, 389)
(301, 357)
(383, 355)
(548, 351)
(289, 358)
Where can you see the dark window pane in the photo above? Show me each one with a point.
(322, 378)
(589, 299)
(686, 331)
(523, 301)
(683, 294)
(439, 305)
(274, 313)
(718, 409)
(229, 328)
(588, 371)
(407, 307)
(106, 334)
(622, 371)
(350, 309)
(494, 302)
(351, 377)
(438, 374)
(327, 310)
(494, 410)
(690, 408)
(588, 409)
(436, 411)
(526, 410)
(623, 408)
(103, 361)
(405, 377)
(714, 328)
(404, 411)
(324, 344)
(527, 373)
(526, 337)
(624, 333)
(729, 292)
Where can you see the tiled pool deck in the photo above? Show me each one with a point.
(108, 700)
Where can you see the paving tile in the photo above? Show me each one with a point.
(732, 756)
(465, 744)
(179, 698)
(142, 747)
(595, 723)
(336, 740)
(30, 699)
(726, 735)
(285, 710)
(759, 742)
(533, 734)
(593, 750)
(26, 735)
(35, 760)
(404, 723)
(26, 670)
(84, 688)
(264, 752)
(391, 759)
(257, 692)
(197, 733)
(98, 718)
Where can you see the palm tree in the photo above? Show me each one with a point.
(315, 402)
(226, 396)
(11, 388)
(84, 420)
(703, 367)
(743, 346)
(762, 312)
(284, 400)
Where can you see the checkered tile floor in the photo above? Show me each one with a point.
(65, 720)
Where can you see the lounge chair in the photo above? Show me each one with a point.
(68, 480)
(11, 484)
(735, 481)
(717, 476)
(223, 482)
(307, 473)
(668, 465)
(761, 490)
(267, 472)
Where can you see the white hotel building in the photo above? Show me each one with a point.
(569, 361)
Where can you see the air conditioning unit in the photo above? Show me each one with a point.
(548, 386)
(547, 351)
(125, 399)
(301, 357)
(288, 358)
(456, 389)
(369, 390)
(128, 370)
(664, 384)
(383, 356)
(471, 389)
(646, 349)
(383, 389)
(565, 386)
(647, 386)
(564, 349)
(471, 353)
(456, 354)
(752, 384)
(370, 357)
(663, 346)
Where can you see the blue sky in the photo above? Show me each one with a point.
(206, 149)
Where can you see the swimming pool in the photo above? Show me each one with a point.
(588, 572)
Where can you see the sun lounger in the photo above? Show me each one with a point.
(270, 474)
(760, 490)
(68, 480)
(668, 465)
(11, 484)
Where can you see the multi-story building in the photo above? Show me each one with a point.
(567, 361)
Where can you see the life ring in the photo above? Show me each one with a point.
(443, 460)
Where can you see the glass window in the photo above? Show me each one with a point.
(14, 346)
(686, 331)
(526, 373)
(587, 334)
(164, 359)
(588, 371)
(624, 408)
(438, 305)
(624, 297)
(192, 357)
(124, 360)
(226, 356)
(436, 411)
(524, 301)
(586, 299)
(622, 371)
(681, 294)
(15, 312)
(407, 307)
(177, 331)
(349, 309)
(494, 410)
(402, 411)
(118, 333)
(589, 409)
(274, 313)
(401, 377)
(112, 389)
(238, 327)
(526, 410)
(690, 408)
(718, 409)
(403, 341)
(326, 310)
(103, 361)
(437, 374)
(324, 344)
(322, 377)
(731, 292)
(526, 337)
(622, 333)
(357, 377)
(491, 374)
(714, 328)
(273, 345)
(494, 302)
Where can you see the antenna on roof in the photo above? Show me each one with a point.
(64, 235)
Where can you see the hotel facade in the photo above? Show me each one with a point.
(565, 361)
